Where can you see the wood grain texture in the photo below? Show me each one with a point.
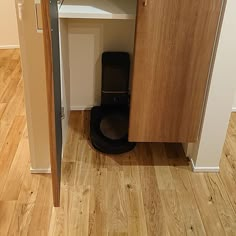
(9, 148)
(173, 50)
(16, 172)
(50, 99)
(206, 205)
(149, 191)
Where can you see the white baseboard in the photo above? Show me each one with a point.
(210, 169)
(80, 108)
(234, 109)
(40, 171)
(9, 46)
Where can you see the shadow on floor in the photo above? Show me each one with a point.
(153, 154)
(144, 154)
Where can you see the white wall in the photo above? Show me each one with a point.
(88, 39)
(207, 152)
(8, 25)
(34, 75)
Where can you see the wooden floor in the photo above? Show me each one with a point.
(149, 191)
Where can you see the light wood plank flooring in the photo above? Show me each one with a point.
(149, 191)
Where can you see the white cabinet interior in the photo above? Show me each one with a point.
(82, 43)
(98, 9)
(87, 29)
(88, 39)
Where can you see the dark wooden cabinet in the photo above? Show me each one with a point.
(173, 52)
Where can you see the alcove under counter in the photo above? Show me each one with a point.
(87, 29)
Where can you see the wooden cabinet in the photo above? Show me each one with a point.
(173, 52)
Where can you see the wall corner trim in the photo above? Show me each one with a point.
(40, 170)
(202, 169)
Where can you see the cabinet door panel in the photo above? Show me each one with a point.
(53, 85)
(173, 51)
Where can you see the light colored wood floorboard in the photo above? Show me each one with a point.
(148, 191)
(15, 177)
